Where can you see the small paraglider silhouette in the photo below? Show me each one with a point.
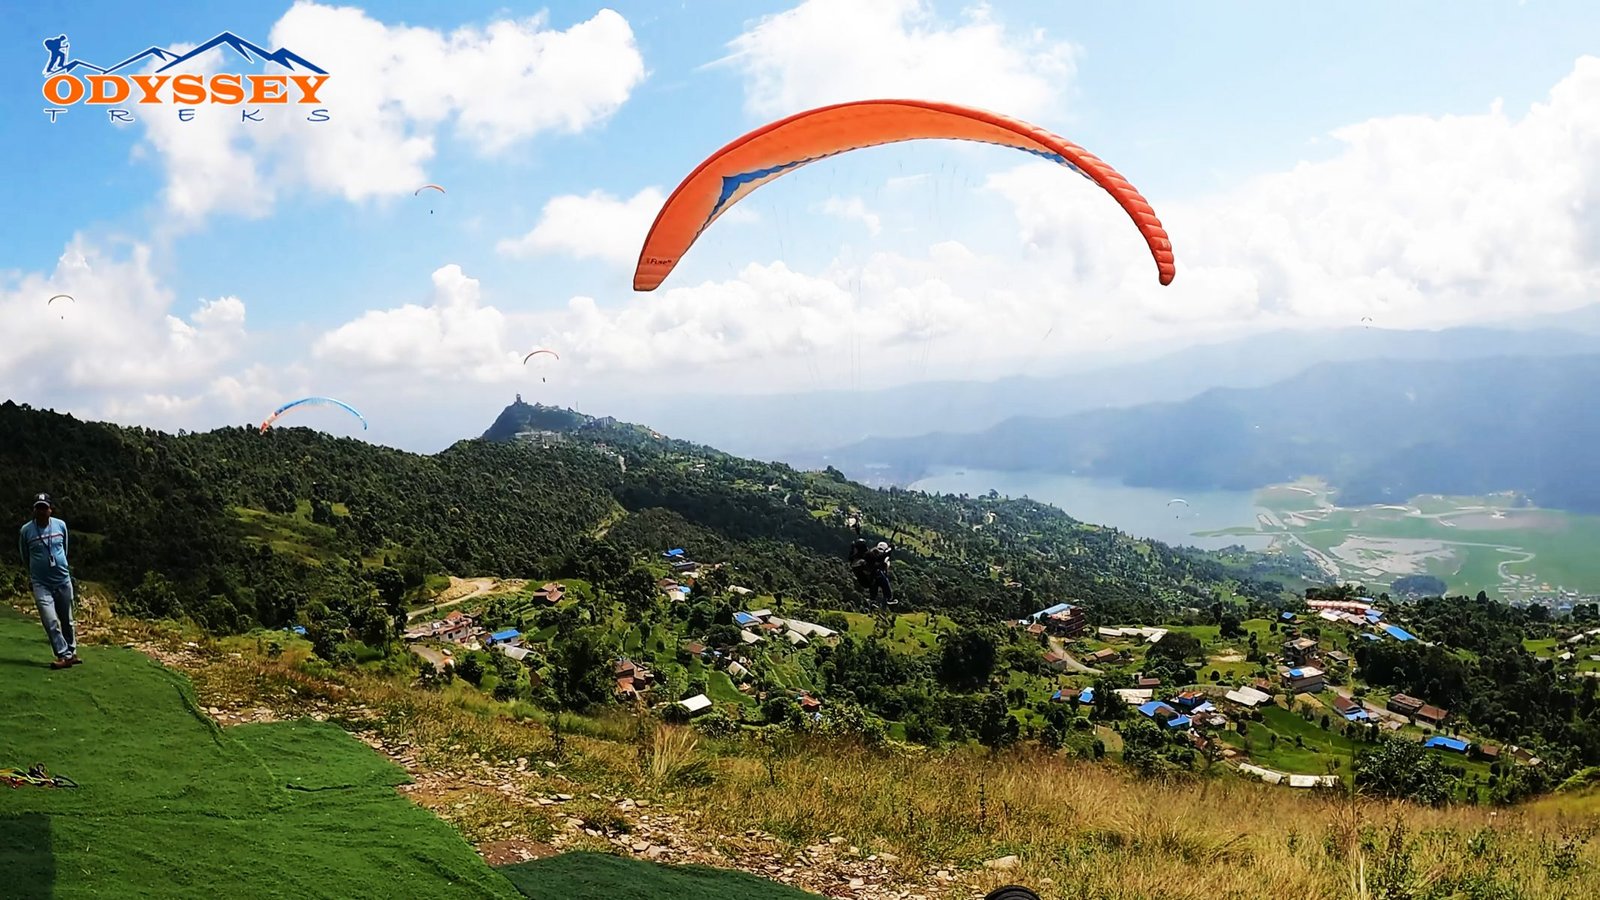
(536, 353)
(58, 297)
(1366, 322)
(1176, 500)
(427, 187)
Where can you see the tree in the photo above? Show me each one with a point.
(1177, 647)
(1230, 626)
(1403, 769)
(1142, 743)
(967, 658)
(779, 709)
(712, 583)
(583, 668)
(470, 668)
(637, 592)
(154, 598)
(325, 628)
(996, 726)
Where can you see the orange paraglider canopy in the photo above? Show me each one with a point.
(427, 187)
(787, 144)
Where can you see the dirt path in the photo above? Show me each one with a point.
(461, 590)
(1072, 661)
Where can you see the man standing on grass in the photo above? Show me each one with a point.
(43, 542)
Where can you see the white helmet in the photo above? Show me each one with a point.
(883, 545)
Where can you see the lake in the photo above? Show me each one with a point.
(1141, 512)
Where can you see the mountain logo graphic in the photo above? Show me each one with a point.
(60, 63)
(291, 79)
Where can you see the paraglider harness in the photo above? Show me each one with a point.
(37, 776)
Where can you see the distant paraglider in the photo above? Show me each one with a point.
(312, 400)
(772, 150)
(427, 187)
(536, 353)
(60, 297)
(1176, 501)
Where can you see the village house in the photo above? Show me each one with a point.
(1338, 656)
(1164, 714)
(1405, 705)
(1055, 661)
(1064, 619)
(507, 636)
(1107, 655)
(1248, 697)
(1351, 710)
(457, 628)
(1147, 683)
(1036, 630)
(1299, 651)
(1432, 715)
(696, 705)
(1303, 679)
(551, 593)
(809, 704)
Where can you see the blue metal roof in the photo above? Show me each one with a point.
(1398, 633)
(676, 551)
(1154, 706)
(1295, 673)
(1370, 636)
(506, 635)
(1178, 722)
(1087, 696)
(744, 618)
(1447, 743)
(1286, 616)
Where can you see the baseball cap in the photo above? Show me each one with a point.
(42, 500)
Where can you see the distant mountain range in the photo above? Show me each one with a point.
(798, 428)
(1379, 430)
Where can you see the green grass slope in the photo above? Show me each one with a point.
(171, 806)
(595, 876)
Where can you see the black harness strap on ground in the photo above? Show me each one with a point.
(37, 776)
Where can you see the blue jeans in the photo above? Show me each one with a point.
(55, 611)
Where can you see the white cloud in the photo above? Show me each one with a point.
(118, 331)
(455, 337)
(853, 209)
(392, 92)
(593, 226)
(1417, 221)
(829, 51)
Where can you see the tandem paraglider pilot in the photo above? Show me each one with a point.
(43, 542)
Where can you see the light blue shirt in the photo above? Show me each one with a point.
(44, 550)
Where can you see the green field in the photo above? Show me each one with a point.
(1494, 543)
(170, 805)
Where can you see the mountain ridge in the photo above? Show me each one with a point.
(1375, 429)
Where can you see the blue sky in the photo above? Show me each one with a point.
(1222, 114)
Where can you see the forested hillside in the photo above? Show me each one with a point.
(232, 527)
